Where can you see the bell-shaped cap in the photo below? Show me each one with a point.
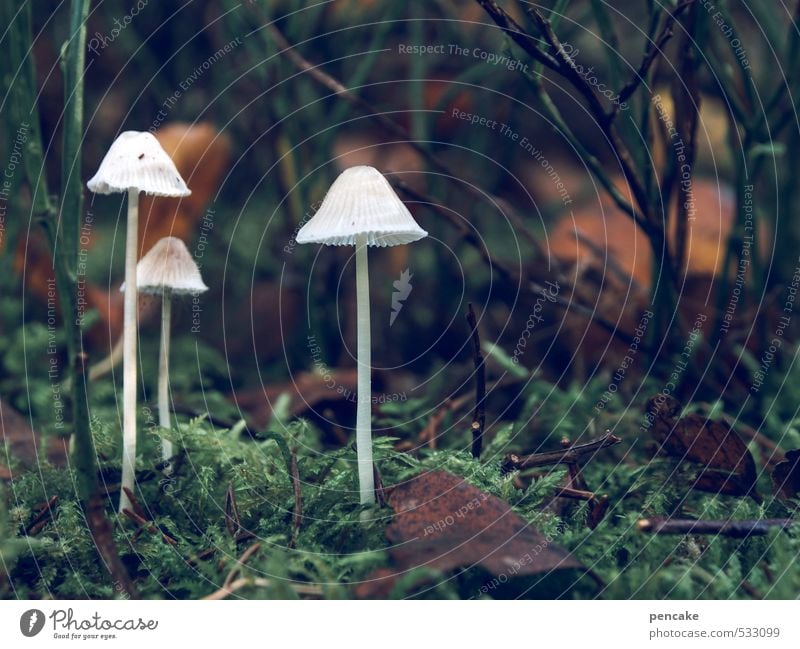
(137, 161)
(361, 202)
(168, 266)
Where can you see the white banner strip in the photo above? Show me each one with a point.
(407, 625)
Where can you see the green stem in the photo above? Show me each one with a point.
(366, 481)
(129, 351)
(163, 376)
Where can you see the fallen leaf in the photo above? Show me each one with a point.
(443, 522)
(306, 390)
(728, 466)
(786, 476)
(202, 155)
(22, 442)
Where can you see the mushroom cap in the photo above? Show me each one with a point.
(168, 265)
(361, 202)
(137, 161)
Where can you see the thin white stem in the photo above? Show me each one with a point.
(163, 377)
(129, 351)
(366, 479)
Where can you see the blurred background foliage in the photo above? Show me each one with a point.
(276, 138)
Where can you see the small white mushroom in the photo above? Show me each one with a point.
(135, 163)
(361, 209)
(167, 269)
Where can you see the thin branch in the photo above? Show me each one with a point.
(428, 435)
(301, 589)
(44, 514)
(479, 418)
(517, 34)
(575, 453)
(737, 529)
(104, 542)
(297, 514)
(654, 48)
(240, 562)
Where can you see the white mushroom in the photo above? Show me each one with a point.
(135, 163)
(361, 209)
(167, 269)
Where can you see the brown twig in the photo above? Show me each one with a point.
(104, 542)
(149, 526)
(737, 529)
(297, 514)
(137, 508)
(44, 513)
(380, 490)
(309, 590)
(139, 516)
(479, 417)
(575, 494)
(569, 455)
(428, 435)
(240, 562)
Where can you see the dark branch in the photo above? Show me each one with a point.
(479, 418)
(569, 455)
(737, 529)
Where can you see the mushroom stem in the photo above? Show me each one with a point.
(129, 351)
(364, 413)
(163, 377)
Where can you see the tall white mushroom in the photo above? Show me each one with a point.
(135, 163)
(167, 269)
(361, 209)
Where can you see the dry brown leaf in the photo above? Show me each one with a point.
(443, 522)
(786, 476)
(201, 155)
(727, 465)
